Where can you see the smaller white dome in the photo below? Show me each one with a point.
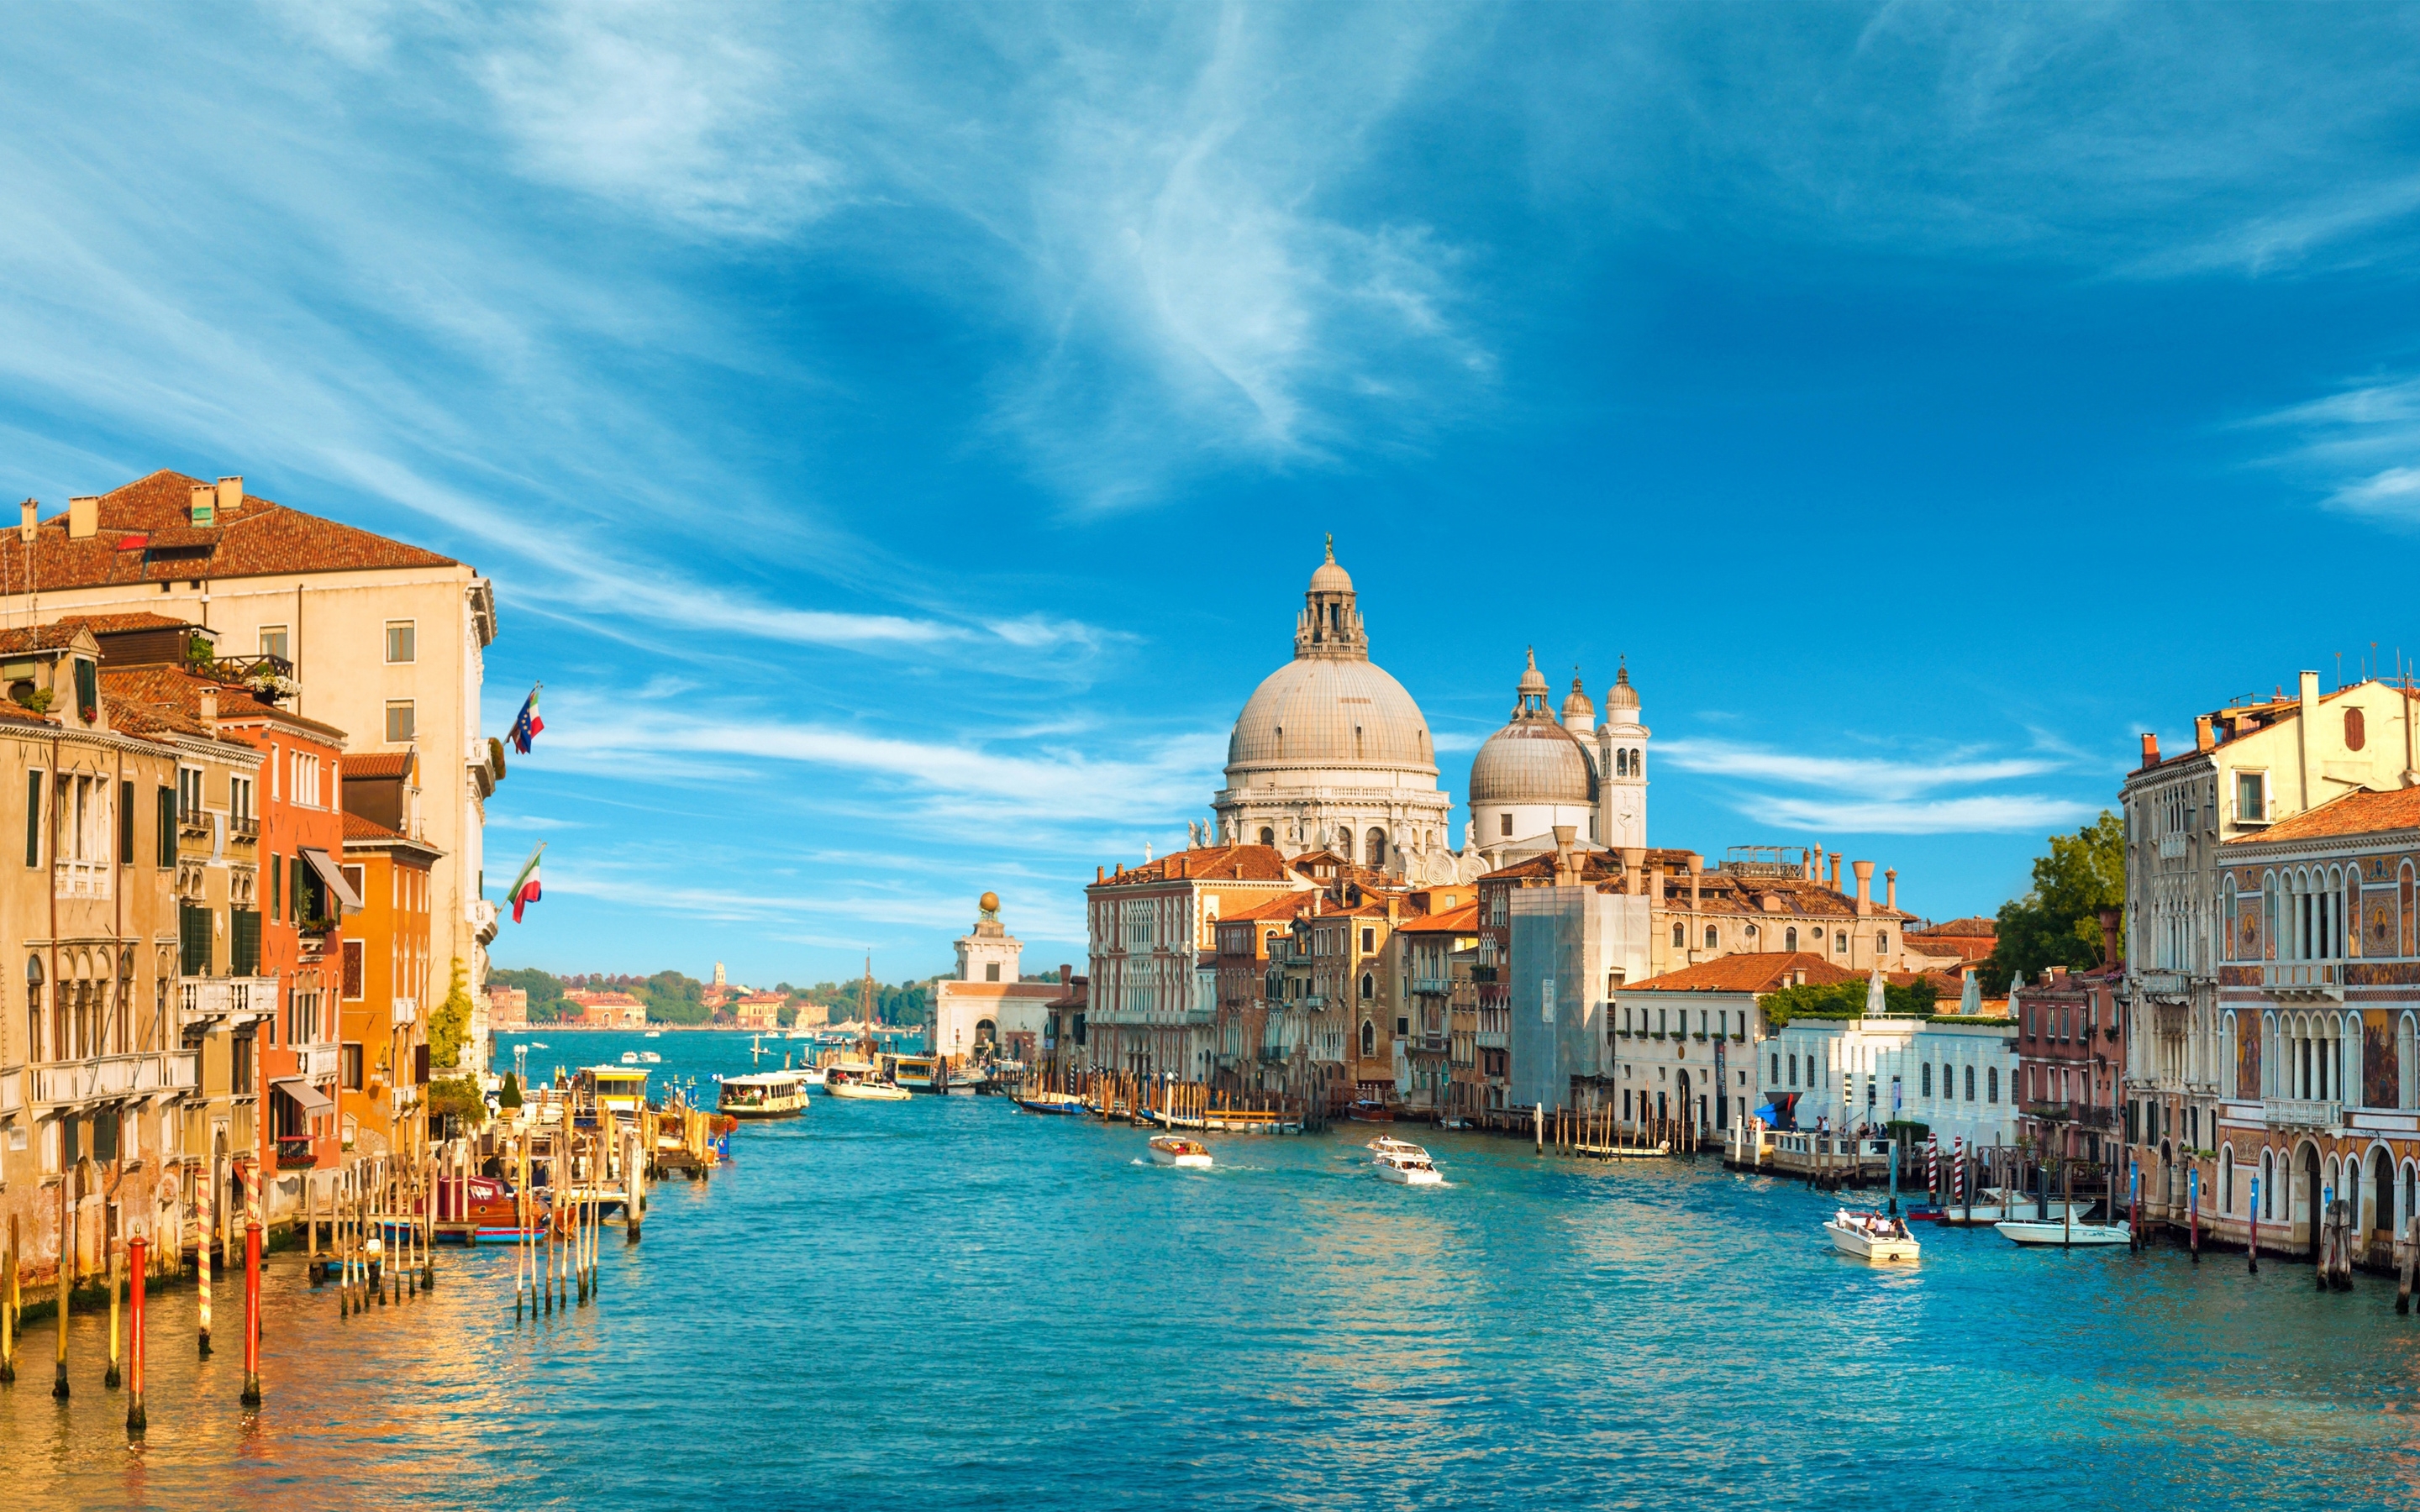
(1620, 695)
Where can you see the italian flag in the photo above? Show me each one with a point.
(525, 887)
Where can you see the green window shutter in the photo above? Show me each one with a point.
(193, 933)
(243, 939)
(125, 823)
(276, 890)
(33, 818)
(167, 827)
(87, 685)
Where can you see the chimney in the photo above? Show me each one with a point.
(1697, 871)
(203, 505)
(1836, 871)
(1655, 886)
(211, 709)
(2151, 748)
(1633, 865)
(28, 514)
(1100, 874)
(2310, 691)
(1565, 836)
(1067, 975)
(1890, 888)
(230, 494)
(2110, 958)
(84, 517)
(1865, 870)
(2205, 733)
(1393, 903)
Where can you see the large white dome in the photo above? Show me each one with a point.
(1328, 713)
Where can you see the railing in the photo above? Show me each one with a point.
(2302, 1113)
(201, 999)
(2081, 1115)
(295, 1150)
(244, 828)
(1483, 973)
(1436, 985)
(104, 1076)
(80, 879)
(1495, 1039)
(405, 1009)
(318, 1060)
(2171, 847)
(2165, 984)
(2308, 976)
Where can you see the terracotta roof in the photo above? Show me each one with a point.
(176, 694)
(2356, 813)
(1761, 972)
(1283, 907)
(379, 763)
(1973, 927)
(357, 827)
(1210, 863)
(140, 620)
(1000, 989)
(1461, 920)
(27, 716)
(147, 535)
(27, 638)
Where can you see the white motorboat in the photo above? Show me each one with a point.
(2064, 1236)
(1175, 1149)
(867, 1091)
(1389, 1142)
(655, 1034)
(1407, 1163)
(813, 1075)
(649, 1057)
(1870, 1236)
(629, 1057)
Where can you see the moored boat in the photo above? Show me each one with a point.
(862, 1088)
(2064, 1235)
(1870, 1236)
(770, 1094)
(1175, 1149)
(1066, 1105)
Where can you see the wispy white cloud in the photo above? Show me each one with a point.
(1878, 778)
(2360, 446)
(1882, 796)
(2007, 814)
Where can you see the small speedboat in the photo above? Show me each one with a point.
(631, 1057)
(865, 1089)
(1870, 1236)
(1408, 1165)
(1175, 1149)
(2064, 1236)
(1387, 1142)
(649, 1057)
(655, 1034)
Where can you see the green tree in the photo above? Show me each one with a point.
(449, 1025)
(459, 1096)
(1846, 999)
(511, 1096)
(673, 998)
(545, 988)
(2058, 923)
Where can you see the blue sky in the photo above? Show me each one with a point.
(900, 436)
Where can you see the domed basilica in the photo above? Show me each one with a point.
(1330, 753)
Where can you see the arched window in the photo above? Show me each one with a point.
(1790, 940)
(1710, 936)
(1369, 1038)
(1679, 937)
(2266, 1199)
(2227, 912)
(1881, 942)
(33, 1007)
(1841, 939)
(1374, 849)
(1369, 986)
(2356, 732)
(1268, 836)
(2227, 1178)
(2407, 1075)
(1970, 1083)
(1622, 763)
(1928, 1078)
(1637, 763)
(1991, 1084)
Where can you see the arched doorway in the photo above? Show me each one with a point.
(1681, 1081)
(2306, 1202)
(2379, 1228)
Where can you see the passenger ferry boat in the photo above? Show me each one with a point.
(1175, 1149)
(614, 1089)
(1870, 1236)
(919, 1074)
(769, 1094)
(1402, 1161)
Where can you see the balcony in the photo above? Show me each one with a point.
(405, 1009)
(2172, 847)
(1434, 986)
(2302, 1113)
(101, 1077)
(294, 1152)
(244, 829)
(2304, 981)
(1483, 973)
(318, 1061)
(2161, 983)
(203, 1001)
(2081, 1115)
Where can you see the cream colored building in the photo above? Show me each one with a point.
(986, 1009)
(387, 642)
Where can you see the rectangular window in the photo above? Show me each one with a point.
(276, 891)
(356, 955)
(304, 788)
(34, 790)
(358, 877)
(244, 942)
(273, 643)
(167, 842)
(193, 940)
(241, 1058)
(240, 799)
(400, 639)
(1368, 940)
(125, 823)
(350, 1068)
(399, 722)
(1504, 823)
(189, 795)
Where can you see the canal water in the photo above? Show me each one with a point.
(950, 1304)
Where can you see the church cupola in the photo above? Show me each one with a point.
(1331, 622)
(1579, 715)
(1530, 697)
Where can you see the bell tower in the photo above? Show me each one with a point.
(1622, 767)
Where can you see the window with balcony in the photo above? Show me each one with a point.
(402, 641)
(244, 942)
(192, 940)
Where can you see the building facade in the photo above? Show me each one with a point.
(988, 1010)
(389, 985)
(2070, 1063)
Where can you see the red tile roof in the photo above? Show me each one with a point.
(147, 535)
(1761, 972)
(1212, 863)
(357, 827)
(139, 620)
(380, 763)
(25, 637)
(1973, 927)
(1461, 920)
(2355, 814)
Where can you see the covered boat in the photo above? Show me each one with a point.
(769, 1094)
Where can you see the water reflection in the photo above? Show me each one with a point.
(949, 1303)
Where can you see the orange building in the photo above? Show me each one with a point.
(388, 992)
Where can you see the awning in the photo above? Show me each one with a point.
(333, 876)
(310, 1098)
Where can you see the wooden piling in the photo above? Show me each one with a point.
(110, 1378)
(2403, 1266)
(208, 1182)
(136, 1420)
(8, 1311)
(66, 1277)
(251, 1394)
